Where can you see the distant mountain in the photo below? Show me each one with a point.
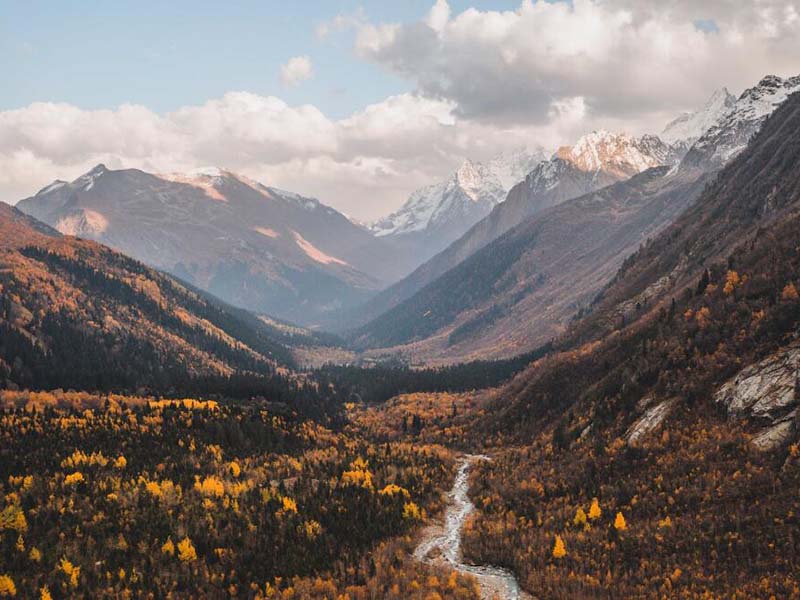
(76, 314)
(438, 214)
(685, 130)
(595, 161)
(522, 289)
(254, 246)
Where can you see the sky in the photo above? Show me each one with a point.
(358, 103)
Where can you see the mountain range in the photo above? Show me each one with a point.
(595, 161)
(546, 264)
(494, 253)
(257, 247)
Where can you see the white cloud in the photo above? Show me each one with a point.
(296, 70)
(486, 81)
(365, 164)
(629, 59)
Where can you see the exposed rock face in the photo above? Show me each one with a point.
(651, 420)
(776, 436)
(766, 391)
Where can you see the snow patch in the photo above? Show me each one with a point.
(201, 181)
(86, 181)
(57, 184)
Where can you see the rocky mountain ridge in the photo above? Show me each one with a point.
(255, 246)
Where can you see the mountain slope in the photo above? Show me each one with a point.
(597, 160)
(745, 221)
(538, 274)
(674, 417)
(256, 247)
(75, 314)
(436, 215)
(757, 189)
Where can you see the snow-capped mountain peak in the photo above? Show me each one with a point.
(688, 127)
(455, 204)
(87, 180)
(731, 133)
(471, 178)
(616, 153)
(512, 167)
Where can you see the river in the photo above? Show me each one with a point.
(441, 543)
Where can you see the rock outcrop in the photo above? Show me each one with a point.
(766, 393)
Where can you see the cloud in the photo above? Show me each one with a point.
(340, 23)
(296, 70)
(628, 59)
(365, 164)
(484, 82)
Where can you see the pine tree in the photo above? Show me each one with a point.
(705, 279)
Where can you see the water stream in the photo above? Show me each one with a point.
(442, 543)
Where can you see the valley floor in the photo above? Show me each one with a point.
(115, 496)
(440, 542)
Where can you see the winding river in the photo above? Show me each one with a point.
(441, 544)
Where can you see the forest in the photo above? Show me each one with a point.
(122, 496)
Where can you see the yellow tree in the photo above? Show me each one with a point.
(7, 587)
(789, 293)
(594, 510)
(186, 551)
(732, 281)
(580, 517)
(168, 547)
(619, 522)
(559, 549)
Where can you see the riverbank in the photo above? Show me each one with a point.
(440, 543)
